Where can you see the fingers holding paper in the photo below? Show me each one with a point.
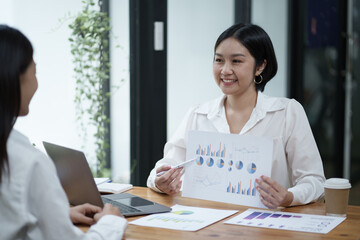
(168, 179)
(272, 194)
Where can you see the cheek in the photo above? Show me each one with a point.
(216, 71)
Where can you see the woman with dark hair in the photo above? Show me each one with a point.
(244, 62)
(32, 202)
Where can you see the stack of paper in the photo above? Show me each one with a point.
(106, 186)
(114, 187)
(101, 180)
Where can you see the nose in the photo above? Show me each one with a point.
(226, 69)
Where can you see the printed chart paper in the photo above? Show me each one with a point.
(286, 221)
(184, 218)
(226, 167)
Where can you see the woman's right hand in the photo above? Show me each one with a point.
(169, 182)
(107, 210)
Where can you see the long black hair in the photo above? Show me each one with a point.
(16, 54)
(258, 43)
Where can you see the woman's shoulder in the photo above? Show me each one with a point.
(288, 104)
(21, 152)
(208, 106)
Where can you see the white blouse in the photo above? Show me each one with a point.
(296, 162)
(33, 204)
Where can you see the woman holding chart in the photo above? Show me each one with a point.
(33, 204)
(244, 62)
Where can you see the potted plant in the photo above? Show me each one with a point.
(89, 42)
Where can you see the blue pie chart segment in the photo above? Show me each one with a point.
(210, 162)
(199, 161)
(220, 163)
(251, 168)
(239, 165)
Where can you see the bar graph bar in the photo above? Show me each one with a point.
(252, 215)
(237, 189)
(208, 151)
(264, 215)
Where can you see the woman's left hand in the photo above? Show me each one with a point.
(272, 194)
(84, 213)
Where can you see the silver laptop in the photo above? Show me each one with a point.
(79, 184)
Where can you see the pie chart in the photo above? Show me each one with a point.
(182, 212)
(220, 163)
(200, 161)
(251, 168)
(239, 165)
(210, 162)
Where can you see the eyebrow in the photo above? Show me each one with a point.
(232, 55)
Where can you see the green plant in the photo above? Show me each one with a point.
(89, 43)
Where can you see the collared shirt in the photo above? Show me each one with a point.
(33, 204)
(296, 162)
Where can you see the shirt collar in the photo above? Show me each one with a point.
(264, 104)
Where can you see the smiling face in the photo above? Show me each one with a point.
(28, 87)
(234, 68)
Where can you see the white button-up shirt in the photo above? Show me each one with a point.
(296, 162)
(33, 204)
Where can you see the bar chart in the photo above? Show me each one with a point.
(286, 221)
(208, 151)
(238, 189)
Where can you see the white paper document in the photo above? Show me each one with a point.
(184, 218)
(226, 167)
(114, 187)
(101, 180)
(286, 221)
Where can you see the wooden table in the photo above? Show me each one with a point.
(349, 229)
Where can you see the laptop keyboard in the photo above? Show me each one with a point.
(122, 207)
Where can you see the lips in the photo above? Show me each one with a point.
(229, 80)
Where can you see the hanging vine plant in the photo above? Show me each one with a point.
(89, 43)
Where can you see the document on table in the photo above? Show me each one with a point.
(226, 167)
(184, 218)
(101, 180)
(286, 221)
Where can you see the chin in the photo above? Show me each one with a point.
(23, 112)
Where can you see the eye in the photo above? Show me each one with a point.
(218, 60)
(236, 61)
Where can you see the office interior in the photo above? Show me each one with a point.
(316, 42)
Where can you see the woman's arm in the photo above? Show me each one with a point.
(307, 173)
(48, 209)
(174, 153)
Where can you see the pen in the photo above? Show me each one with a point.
(177, 166)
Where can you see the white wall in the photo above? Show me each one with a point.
(52, 110)
(272, 17)
(193, 27)
(120, 101)
(52, 113)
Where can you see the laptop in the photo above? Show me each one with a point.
(79, 184)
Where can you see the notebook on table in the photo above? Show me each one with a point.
(79, 185)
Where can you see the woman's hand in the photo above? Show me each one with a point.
(107, 210)
(272, 194)
(169, 182)
(84, 213)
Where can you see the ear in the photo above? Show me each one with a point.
(260, 68)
